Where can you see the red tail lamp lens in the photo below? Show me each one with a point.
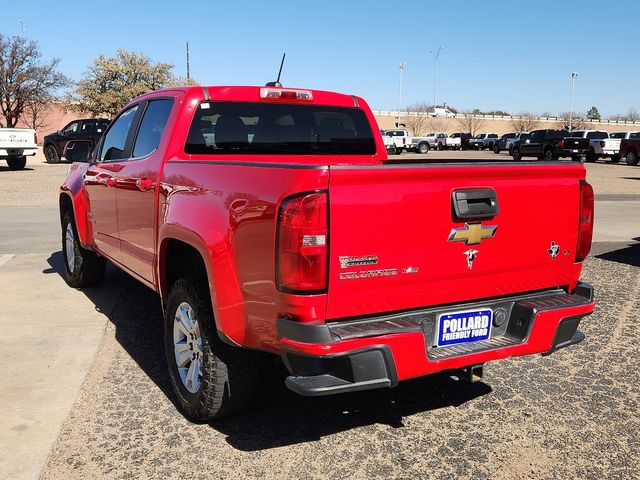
(585, 222)
(302, 244)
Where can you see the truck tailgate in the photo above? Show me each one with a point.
(17, 138)
(390, 229)
(612, 144)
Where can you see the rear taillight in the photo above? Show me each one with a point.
(562, 143)
(601, 143)
(302, 243)
(35, 138)
(585, 221)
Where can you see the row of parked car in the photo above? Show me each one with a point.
(399, 140)
(545, 144)
(591, 145)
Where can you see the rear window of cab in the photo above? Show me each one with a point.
(268, 128)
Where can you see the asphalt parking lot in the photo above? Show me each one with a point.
(99, 403)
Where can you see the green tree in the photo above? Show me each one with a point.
(111, 82)
(26, 83)
(593, 114)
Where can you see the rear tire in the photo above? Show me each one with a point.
(224, 378)
(423, 147)
(51, 154)
(548, 155)
(615, 158)
(17, 163)
(82, 267)
(591, 156)
(632, 158)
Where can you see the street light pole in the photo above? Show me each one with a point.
(23, 27)
(402, 65)
(435, 74)
(573, 85)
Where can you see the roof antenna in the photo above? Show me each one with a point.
(277, 82)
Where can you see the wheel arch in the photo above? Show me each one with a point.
(75, 204)
(182, 251)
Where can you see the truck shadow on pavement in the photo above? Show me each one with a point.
(4, 168)
(277, 417)
(629, 255)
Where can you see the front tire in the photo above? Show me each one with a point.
(496, 149)
(516, 154)
(210, 379)
(51, 154)
(82, 267)
(17, 163)
(632, 158)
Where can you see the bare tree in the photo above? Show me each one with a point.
(632, 115)
(418, 119)
(35, 113)
(470, 123)
(524, 122)
(578, 121)
(24, 78)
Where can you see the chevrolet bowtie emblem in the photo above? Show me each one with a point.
(472, 233)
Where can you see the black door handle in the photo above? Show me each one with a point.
(475, 203)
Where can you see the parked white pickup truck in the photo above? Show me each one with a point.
(16, 144)
(612, 146)
(597, 143)
(403, 140)
(399, 140)
(389, 144)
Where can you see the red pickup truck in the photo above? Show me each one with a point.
(269, 219)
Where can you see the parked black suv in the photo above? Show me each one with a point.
(550, 145)
(83, 129)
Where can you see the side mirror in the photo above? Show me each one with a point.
(77, 151)
(59, 132)
(527, 141)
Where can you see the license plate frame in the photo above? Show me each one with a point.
(465, 326)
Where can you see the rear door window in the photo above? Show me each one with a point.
(266, 128)
(153, 122)
(88, 126)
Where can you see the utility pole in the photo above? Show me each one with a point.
(402, 65)
(435, 74)
(573, 85)
(188, 77)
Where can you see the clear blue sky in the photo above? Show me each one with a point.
(508, 55)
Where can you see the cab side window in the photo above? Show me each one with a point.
(116, 138)
(152, 126)
(71, 128)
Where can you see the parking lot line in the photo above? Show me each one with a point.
(5, 258)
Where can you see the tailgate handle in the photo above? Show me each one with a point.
(475, 203)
